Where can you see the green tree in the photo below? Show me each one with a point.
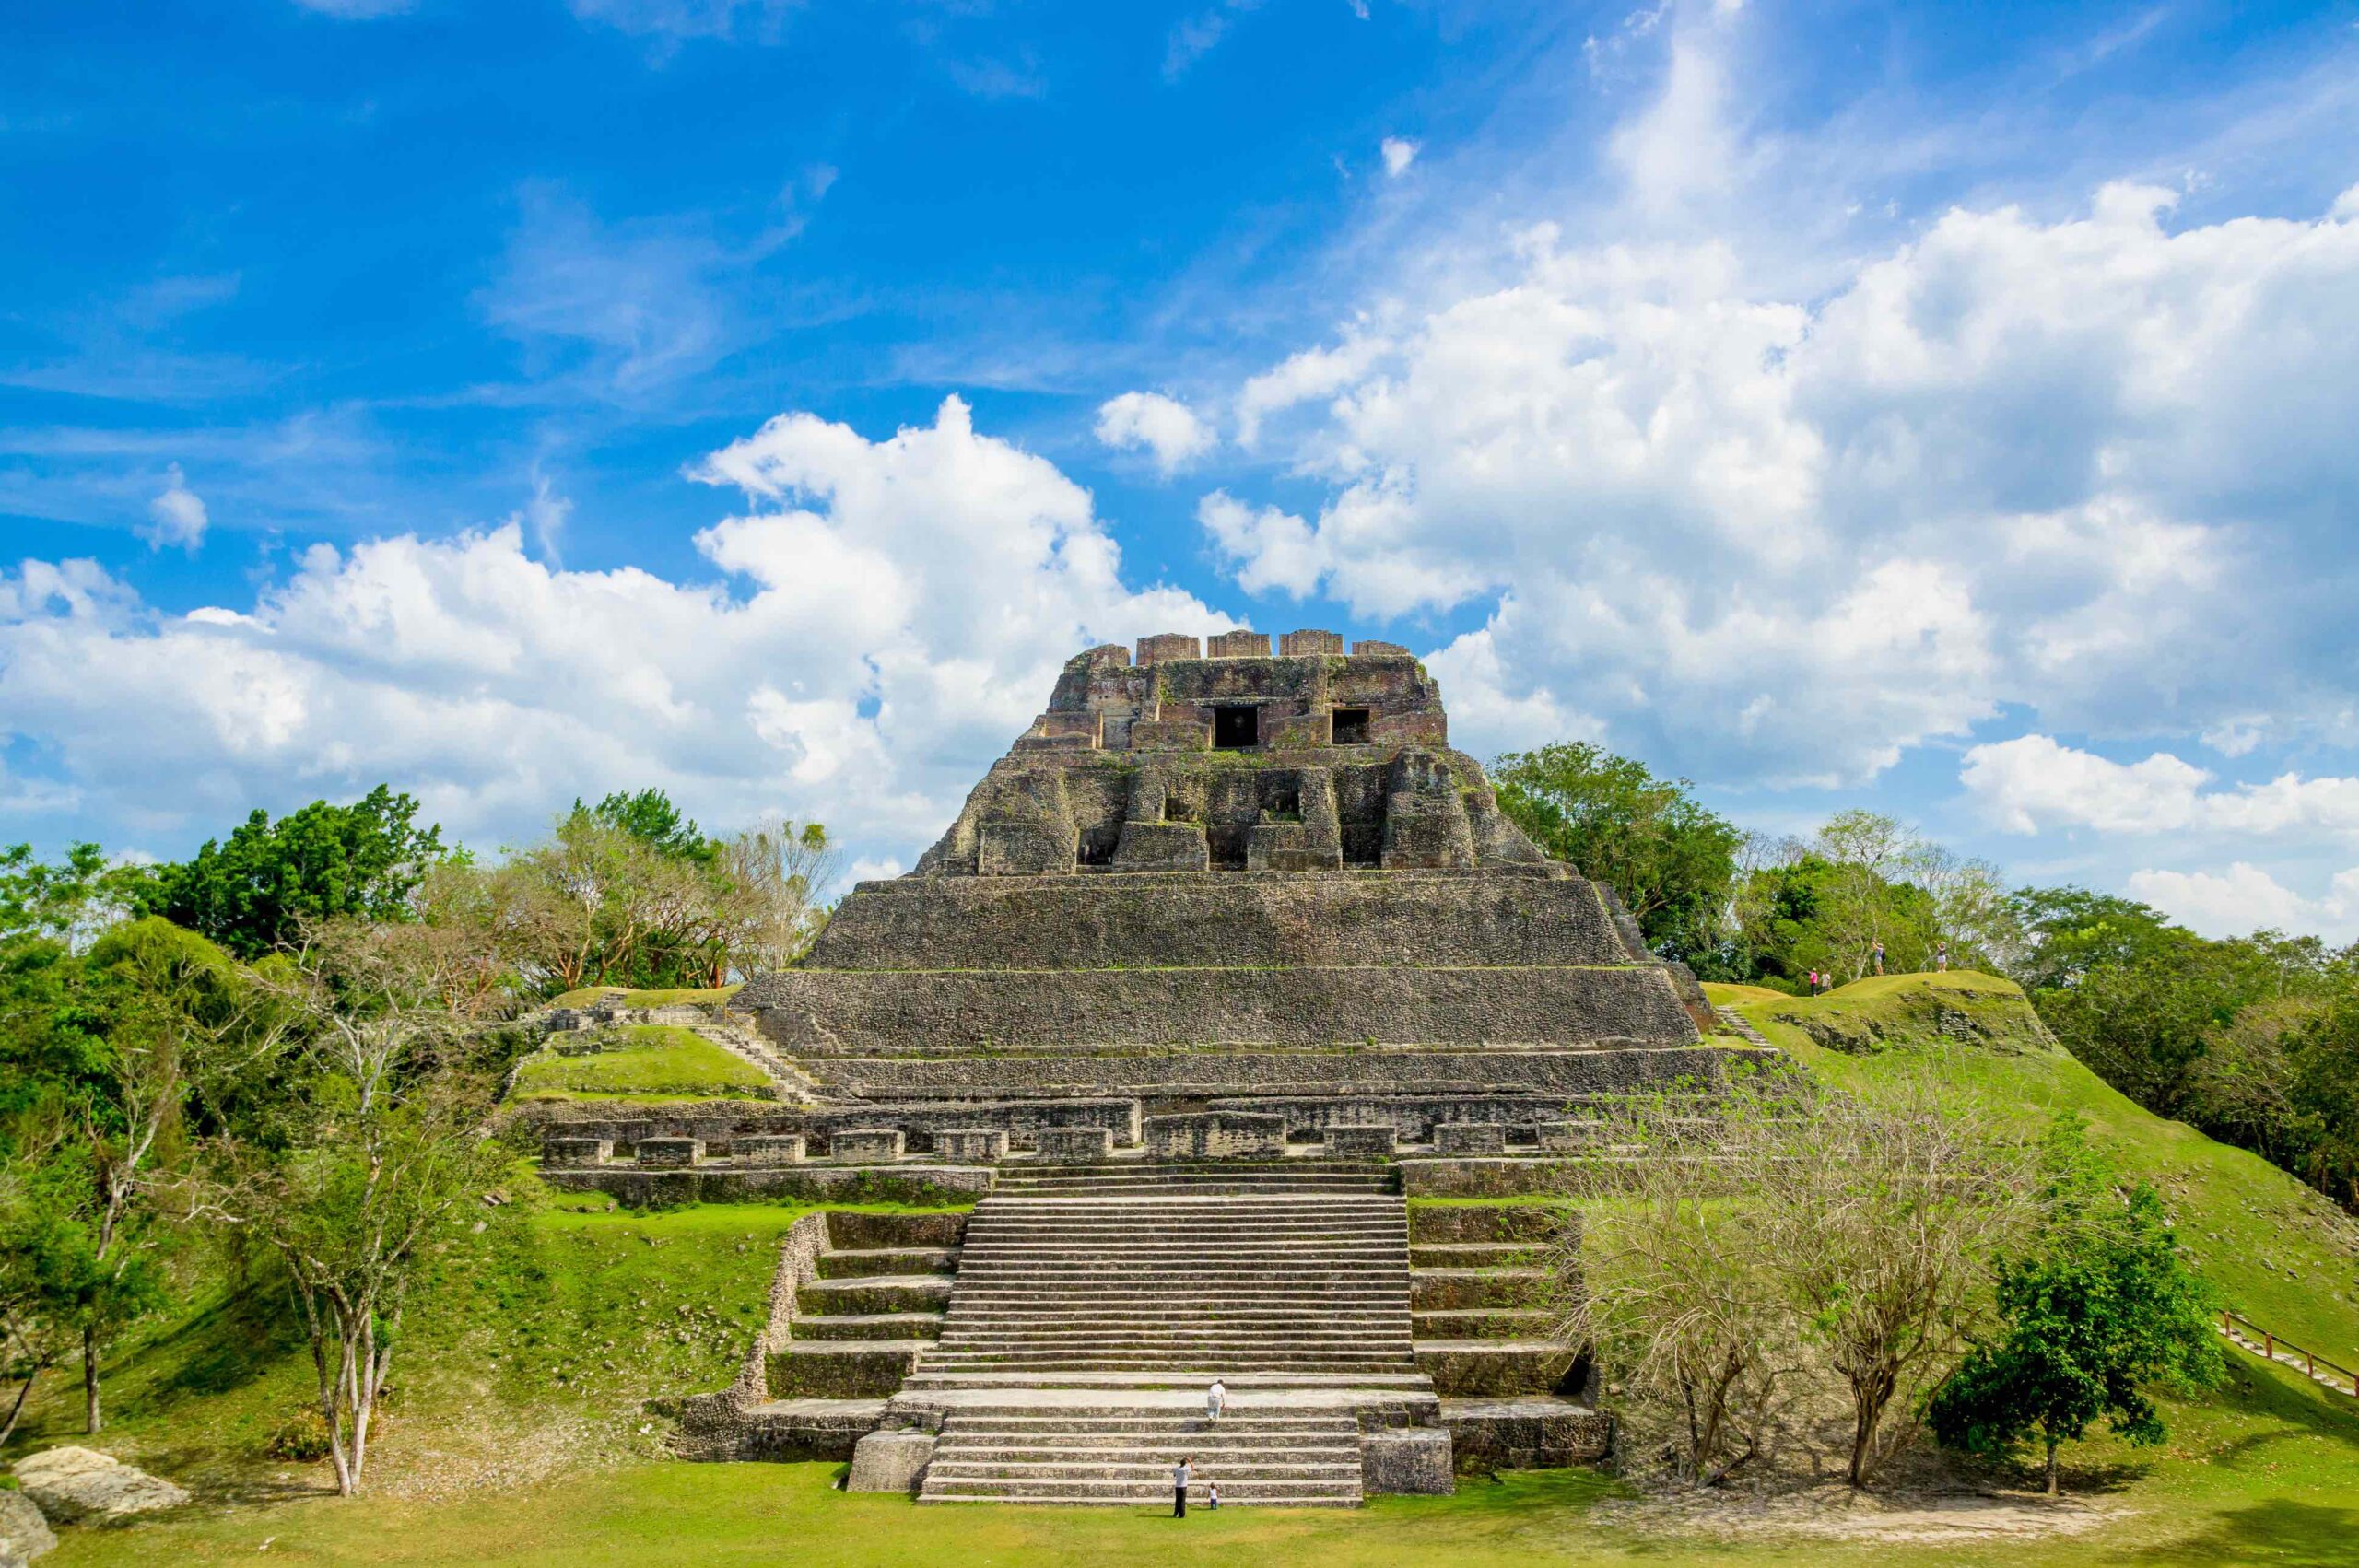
(68, 900)
(2098, 1305)
(253, 892)
(650, 816)
(349, 1178)
(1673, 860)
(2070, 930)
(2321, 1087)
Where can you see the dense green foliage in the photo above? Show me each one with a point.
(1671, 859)
(2096, 1309)
(252, 891)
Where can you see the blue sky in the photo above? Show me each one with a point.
(1942, 409)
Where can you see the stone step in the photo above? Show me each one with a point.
(1484, 1323)
(1028, 1166)
(1147, 1354)
(1121, 1421)
(950, 1469)
(890, 1293)
(878, 1262)
(1477, 1255)
(941, 1379)
(869, 1326)
(1442, 1290)
(971, 1335)
(1197, 1186)
(1048, 1448)
(1258, 1494)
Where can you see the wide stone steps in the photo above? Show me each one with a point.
(1101, 1455)
(1119, 1285)
(1406, 1380)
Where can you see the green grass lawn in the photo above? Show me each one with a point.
(660, 1060)
(2262, 1472)
(712, 996)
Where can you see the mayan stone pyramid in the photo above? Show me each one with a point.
(1212, 878)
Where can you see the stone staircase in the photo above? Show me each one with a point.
(1124, 1454)
(1093, 1303)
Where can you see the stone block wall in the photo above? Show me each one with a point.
(1238, 645)
(872, 1144)
(814, 1016)
(1216, 1135)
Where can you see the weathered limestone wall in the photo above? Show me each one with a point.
(814, 1015)
(1503, 917)
(1220, 1074)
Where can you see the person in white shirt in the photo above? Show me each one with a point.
(1182, 1474)
(1212, 1494)
(1214, 1397)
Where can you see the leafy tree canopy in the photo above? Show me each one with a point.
(650, 816)
(251, 892)
(2097, 1308)
(1672, 859)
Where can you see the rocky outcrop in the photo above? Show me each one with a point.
(74, 1484)
(24, 1534)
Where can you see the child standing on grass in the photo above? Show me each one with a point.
(1212, 1494)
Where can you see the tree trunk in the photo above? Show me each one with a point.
(17, 1408)
(2054, 1488)
(90, 1379)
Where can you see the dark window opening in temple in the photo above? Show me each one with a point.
(1234, 728)
(1282, 798)
(1351, 727)
(1174, 808)
(1097, 846)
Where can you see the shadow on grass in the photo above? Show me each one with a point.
(2295, 1535)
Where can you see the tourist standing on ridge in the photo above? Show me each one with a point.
(1813, 982)
(1941, 958)
(1878, 957)
(1182, 1474)
(1214, 1397)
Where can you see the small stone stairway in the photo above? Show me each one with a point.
(1093, 1303)
(1084, 1454)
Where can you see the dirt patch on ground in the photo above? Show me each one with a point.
(1835, 1512)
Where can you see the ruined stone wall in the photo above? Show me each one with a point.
(1202, 1075)
(1539, 915)
(814, 1015)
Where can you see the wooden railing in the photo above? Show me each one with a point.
(2285, 1352)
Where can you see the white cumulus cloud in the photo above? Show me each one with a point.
(882, 618)
(1163, 426)
(176, 517)
(1399, 152)
(2034, 783)
(2245, 899)
(1762, 536)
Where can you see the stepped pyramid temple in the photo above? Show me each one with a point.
(1223, 966)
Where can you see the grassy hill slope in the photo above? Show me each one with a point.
(2284, 1255)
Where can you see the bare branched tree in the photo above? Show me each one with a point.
(384, 1135)
(1784, 1241)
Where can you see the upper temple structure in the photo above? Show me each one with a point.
(1216, 871)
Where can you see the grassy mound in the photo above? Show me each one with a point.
(658, 1061)
(2284, 1255)
(1901, 1011)
(713, 995)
